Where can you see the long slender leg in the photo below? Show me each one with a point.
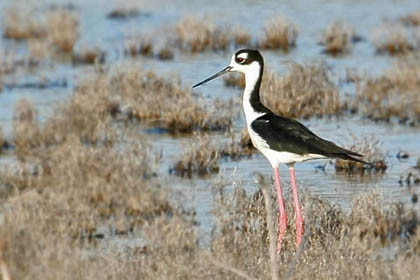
(299, 216)
(282, 209)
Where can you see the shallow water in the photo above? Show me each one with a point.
(312, 17)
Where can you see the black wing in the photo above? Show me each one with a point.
(288, 135)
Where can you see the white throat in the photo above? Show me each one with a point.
(251, 77)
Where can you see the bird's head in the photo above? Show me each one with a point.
(246, 61)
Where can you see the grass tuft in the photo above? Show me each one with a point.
(137, 91)
(306, 92)
(22, 25)
(393, 95)
(89, 56)
(412, 19)
(202, 159)
(393, 39)
(338, 38)
(198, 35)
(63, 30)
(166, 53)
(369, 148)
(280, 34)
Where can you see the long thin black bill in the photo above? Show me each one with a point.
(218, 74)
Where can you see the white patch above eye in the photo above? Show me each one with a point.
(243, 55)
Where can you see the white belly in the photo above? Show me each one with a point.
(276, 157)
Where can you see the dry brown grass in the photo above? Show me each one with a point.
(280, 34)
(73, 185)
(89, 55)
(412, 19)
(87, 115)
(305, 92)
(166, 53)
(77, 195)
(45, 221)
(338, 38)
(241, 36)
(20, 24)
(394, 95)
(239, 146)
(177, 109)
(369, 148)
(202, 159)
(63, 30)
(393, 39)
(204, 156)
(234, 80)
(198, 35)
(337, 246)
(139, 45)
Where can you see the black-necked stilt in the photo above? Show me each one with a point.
(279, 139)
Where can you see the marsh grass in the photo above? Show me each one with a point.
(86, 115)
(234, 80)
(63, 30)
(139, 45)
(305, 92)
(279, 34)
(335, 243)
(202, 159)
(166, 53)
(369, 148)
(242, 37)
(393, 95)
(21, 24)
(338, 38)
(177, 110)
(239, 146)
(393, 39)
(71, 185)
(206, 152)
(56, 30)
(412, 19)
(89, 55)
(198, 35)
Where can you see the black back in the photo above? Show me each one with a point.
(288, 135)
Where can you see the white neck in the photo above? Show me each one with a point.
(251, 78)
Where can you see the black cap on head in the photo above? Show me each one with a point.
(247, 56)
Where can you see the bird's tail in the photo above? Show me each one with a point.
(353, 157)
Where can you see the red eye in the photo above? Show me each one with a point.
(240, 59)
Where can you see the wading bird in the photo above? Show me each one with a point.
(279, 139)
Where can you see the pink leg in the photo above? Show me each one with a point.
(299, 216)
(282, 209)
